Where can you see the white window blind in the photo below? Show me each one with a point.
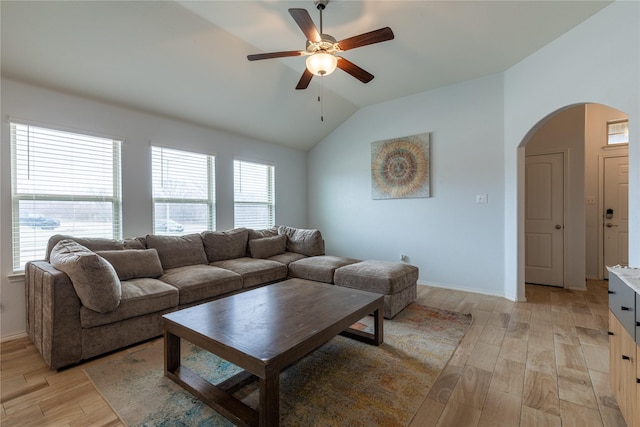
(254, 195)
(183, 191)
(62, 183)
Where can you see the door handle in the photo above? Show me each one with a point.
(609, 225)
(558, 226)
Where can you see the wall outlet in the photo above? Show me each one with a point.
(482, 198)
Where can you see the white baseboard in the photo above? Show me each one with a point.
(13, 337)
(464, 289)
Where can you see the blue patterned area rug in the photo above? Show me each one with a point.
(343, 383)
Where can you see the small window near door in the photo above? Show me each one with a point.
(618, 132)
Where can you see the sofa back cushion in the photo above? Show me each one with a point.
(178, 251)
(303, 241)
(267, 246)
(223, 245)
(95, 243)
(93, 278)
(134, 263)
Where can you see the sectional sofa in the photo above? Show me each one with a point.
(91, 296)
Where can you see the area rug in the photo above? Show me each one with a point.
(343, 383)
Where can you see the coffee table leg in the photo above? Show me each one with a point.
(270, 400)
(171, 352)
(378, 332)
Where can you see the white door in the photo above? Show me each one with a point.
(616, 211)
(544, 219)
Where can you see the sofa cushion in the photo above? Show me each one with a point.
(303, 241)
(139, 297)
(178, 251)
(383, 277)
(221, 245)
(286, 258)
(318, 268)
(134, 263)
(95, 243)
(94, 279)
(254, 271)
(199, 282)
(267, 246)
(259, 234)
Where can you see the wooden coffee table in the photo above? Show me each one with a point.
(263, 331)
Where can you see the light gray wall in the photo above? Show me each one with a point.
(137, 130)
(454, 241)
(576, 68)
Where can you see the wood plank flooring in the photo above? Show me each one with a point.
(539, 363)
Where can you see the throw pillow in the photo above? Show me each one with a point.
(178, 251)
(95, 243)
(93, 278)
(267, 246)
(134, 263)
(223, 245)
(305, 242)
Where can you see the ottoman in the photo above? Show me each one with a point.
(318, 268)
(395, 280)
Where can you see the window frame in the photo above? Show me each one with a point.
(271, 193)
(210, 202)
(115, 199)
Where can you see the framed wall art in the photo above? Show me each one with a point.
(400, 168)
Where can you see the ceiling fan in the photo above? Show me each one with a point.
(322, 48)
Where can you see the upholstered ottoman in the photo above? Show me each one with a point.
(395, 280)
(318, 268)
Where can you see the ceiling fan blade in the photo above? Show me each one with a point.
(304, 21)
(354, 70)
(305, 79)
(376, 36)
(258, 56)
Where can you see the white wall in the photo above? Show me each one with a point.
(137, 130)
(575, 68)
(454, 241)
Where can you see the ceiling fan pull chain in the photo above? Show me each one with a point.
(321, 98)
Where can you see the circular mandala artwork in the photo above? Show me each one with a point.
(400, 169)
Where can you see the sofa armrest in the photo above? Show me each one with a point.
(53, 314)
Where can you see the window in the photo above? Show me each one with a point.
(61, 183)
(618, 132)
(254, 195)
(183, 191)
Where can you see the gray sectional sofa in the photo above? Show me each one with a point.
(91, 296)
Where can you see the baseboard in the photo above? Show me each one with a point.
(13, 337)
(463, 288)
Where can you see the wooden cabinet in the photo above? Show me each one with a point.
(622, 370)
(624, 344)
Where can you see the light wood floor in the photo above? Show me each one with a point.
(540, 363)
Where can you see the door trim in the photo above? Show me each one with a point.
(566, 152)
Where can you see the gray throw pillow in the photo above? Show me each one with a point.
(93, 278)
(134, 263)
(267, 246)
(95, 243)
(178, 251)
(303, 241)
(223, 245)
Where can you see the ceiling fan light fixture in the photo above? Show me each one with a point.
(322, 63)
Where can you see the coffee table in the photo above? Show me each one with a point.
(263, 331)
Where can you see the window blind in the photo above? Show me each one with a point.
(254, 195)
(62, 183)
(183, 191)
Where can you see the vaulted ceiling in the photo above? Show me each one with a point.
(187, 59)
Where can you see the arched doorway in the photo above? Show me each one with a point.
(565, 244)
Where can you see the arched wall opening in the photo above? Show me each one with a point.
(577, 135)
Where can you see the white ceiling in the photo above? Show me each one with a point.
(187, 59)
